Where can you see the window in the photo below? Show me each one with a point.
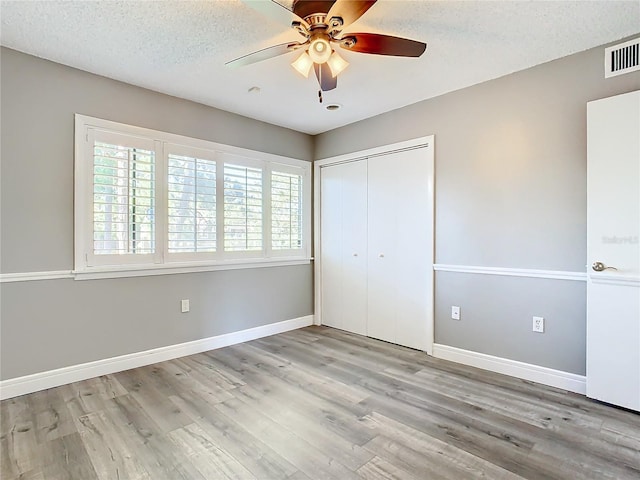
(242, 208)
(286, 211)
(192, 216)
(148, 200)
(123, 200)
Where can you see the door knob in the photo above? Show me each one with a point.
(600, 267)
(381, 255)
(355, 254)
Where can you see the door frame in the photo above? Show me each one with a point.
(426, 142)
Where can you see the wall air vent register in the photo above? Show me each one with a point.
(622, 58)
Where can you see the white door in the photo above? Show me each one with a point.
(343, 220)
(400, 266)
(613, 231)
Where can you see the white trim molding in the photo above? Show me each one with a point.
(148, 271)
(512, 272)
(98, 273)
(372, 152)
(14, 387)
(618, 280)
(535, 373)
(34, 276)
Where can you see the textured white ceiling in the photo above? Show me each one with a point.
(180, 48)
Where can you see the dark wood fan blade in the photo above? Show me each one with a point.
(383, 45)
(325, 79)
(304, 8)
(263, 54)
(275, 11)
(349, 10)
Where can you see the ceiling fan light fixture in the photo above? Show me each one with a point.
(303, 64)
(320, 50)
(337, 64)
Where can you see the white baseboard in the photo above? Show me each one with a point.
(546, 376)
(14, 387)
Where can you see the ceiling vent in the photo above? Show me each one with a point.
(622, 58)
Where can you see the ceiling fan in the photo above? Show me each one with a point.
(321, 24)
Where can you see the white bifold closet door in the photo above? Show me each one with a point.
(344, 246)
(400, 233)
(376, 231)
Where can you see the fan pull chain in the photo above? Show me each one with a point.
(320, 95)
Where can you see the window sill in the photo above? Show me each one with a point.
(96, 273)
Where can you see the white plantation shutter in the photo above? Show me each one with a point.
(191, 200)
(286, 211)
(123, 187)
(243, 188)
(150, 200)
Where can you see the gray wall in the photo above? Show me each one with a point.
(510, 192)
(56, 323)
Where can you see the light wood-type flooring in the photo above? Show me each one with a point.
(315, 403)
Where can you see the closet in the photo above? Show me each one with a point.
(375, 255)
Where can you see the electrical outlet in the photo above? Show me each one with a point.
(455, 313)
(538, 324)
(184, 304)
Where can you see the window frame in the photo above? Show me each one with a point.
(88, 265)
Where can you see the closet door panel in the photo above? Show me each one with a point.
(344, 246)
(331, 228)
(400, 221)
(414, 240)
(354, 240)
(383, 255)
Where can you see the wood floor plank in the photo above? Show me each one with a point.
(311, 404)
(510, 402)
(573, 458)
(210, 460)
(112, 455)
(51, 415)
(66, 458)
(255, 454)
(304, 426)
(156, 453)
(152, 392)
(557, 425)
(333, 405)
(91, 395)
(296, 476)
(188, 379)
(379, 469)
(31, 475)
(339, 386)
(202, 370)
(310, 378)
(19, 441)
(288, 445)
(420, 453)
(498, 450)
